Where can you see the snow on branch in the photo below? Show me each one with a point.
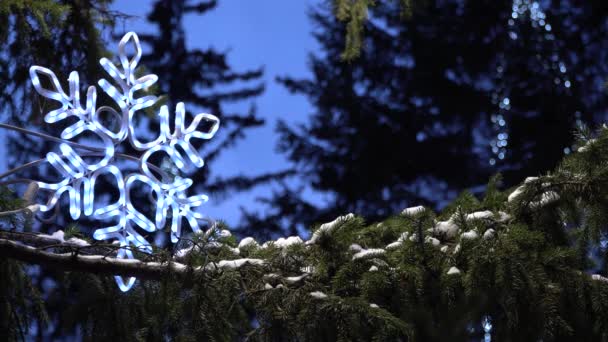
(328, 228)
(77, 259)
(97, 264)
(73, 254)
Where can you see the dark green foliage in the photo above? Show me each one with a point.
(21, 304)
(526, 265)
(355, 14)
(61, 35)
(198, 310)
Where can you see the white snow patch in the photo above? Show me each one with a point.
(207, 233)
(456, 249)
(503, 216)
(448, 228)
(520, 189)
(225, 233)
(411, 211)
(470, 235)
(117, 260)
(515, 193)
(599, 278)
(318, 295)
(237, 263)
(248, 242)
(174, 265)
(489, 234)
(545, 198)
(479, 215)
(369, 253)
(394, 245)
(327, 228)
(289, 241)
(97, 257)
(355, 248)
(308, 269)
(183, 252)
(444, 249)
(213, 245)
(58, 235)
(78, 242)
(453, 270)
(587, 145)
(293, 280)
(268, 286)
(530, 179)
(399, 241)
(271, 276)
(374, 268)
(372, 305)
(432, 240)
(179, 267)
(33, 208)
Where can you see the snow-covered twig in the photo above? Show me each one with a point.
(411, 211)
(328, 228)
(318, 295)
(587, 145)
(453, 270)
(78, 260)
(368, 253)
(469, 235)
(520, 189)
(97, 264)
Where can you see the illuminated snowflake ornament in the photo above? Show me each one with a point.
(80, 175)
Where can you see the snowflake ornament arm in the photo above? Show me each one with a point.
(80, 176)
(126, 88)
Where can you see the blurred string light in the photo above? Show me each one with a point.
(168, 194)
(531, 12)
(486, 324)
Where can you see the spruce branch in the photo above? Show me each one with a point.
(79, 258)
(96, 264)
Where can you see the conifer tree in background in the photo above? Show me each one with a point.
(32, 31)
(411, 119)
(204, 80)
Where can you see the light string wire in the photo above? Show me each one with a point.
(55, 139)
(168, 193)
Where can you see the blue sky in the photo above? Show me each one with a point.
(275, 34)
